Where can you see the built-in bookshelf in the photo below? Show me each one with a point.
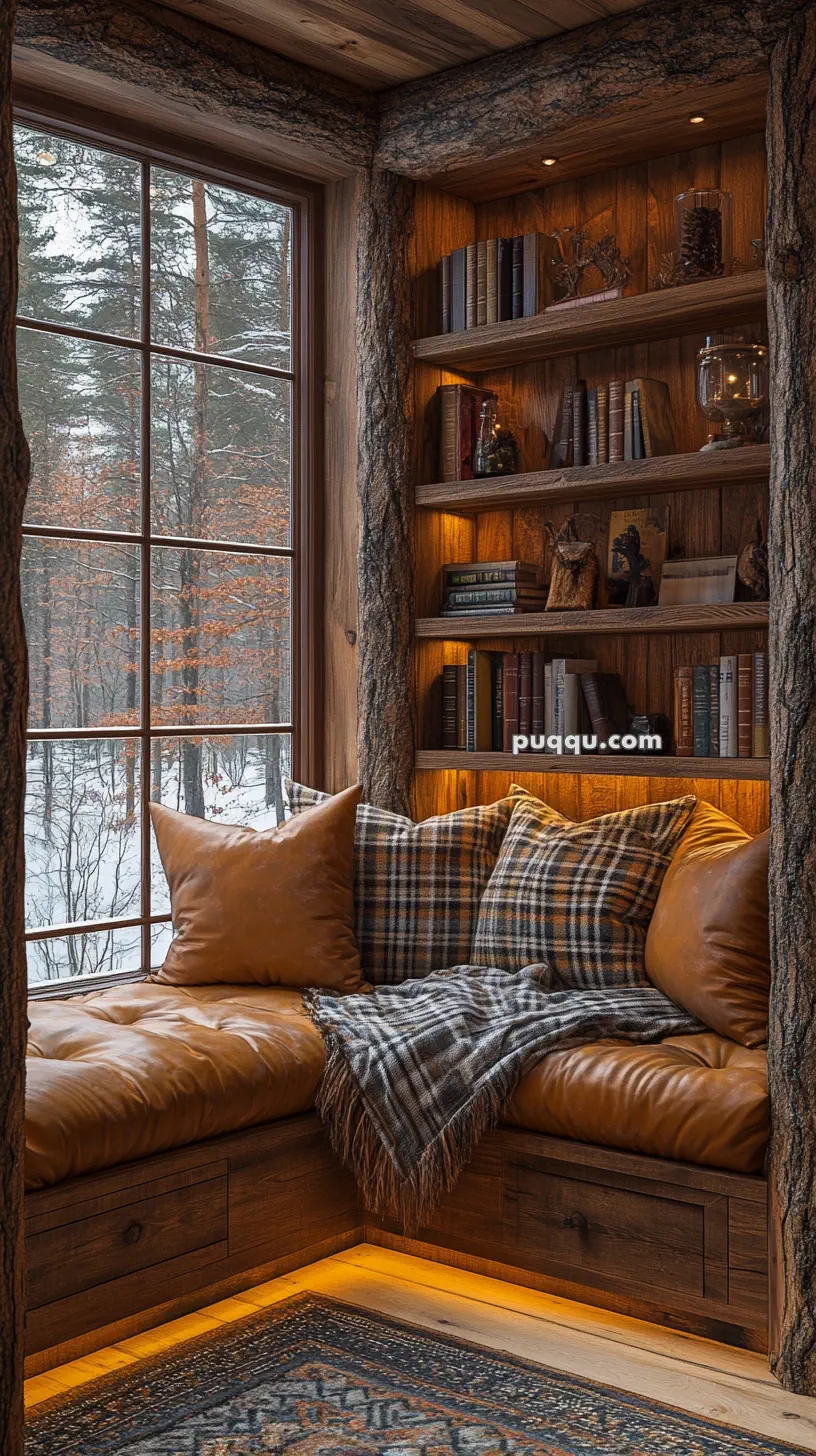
(714, 498)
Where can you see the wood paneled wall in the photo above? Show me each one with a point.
(634, 202)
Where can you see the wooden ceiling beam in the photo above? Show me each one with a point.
(622, 87)
(146, 62)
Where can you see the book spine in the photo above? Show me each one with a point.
(616, 391)
(628, 444)
(492, 280)
(603, 423)
(714, 709)
(470, 291)
(498, 703)
(558, 679)
(458, 295)
(517, 279)
(517, 610)
(444, 294)
(530, 278)
(449, 433)
(701, 710)
(579, 423)
(637, 428)
(745, 704)
(461, 705)
(470, 729)
(525, 698)
(728, 707)
(548, 701)
(504, 269)
(537, 710)
(449, 705)
(466, 432)
(761, 746)
(683, 712)
(492, 576)
(498, 596)
(593, 454)
(511, 699)
(481, 283)
(572, 698)
(562, 448)
(601, 725)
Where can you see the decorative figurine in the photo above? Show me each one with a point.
(577, 254)
(575, 569)
(641, 592)
(752, 566)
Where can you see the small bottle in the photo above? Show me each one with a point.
(485, 437)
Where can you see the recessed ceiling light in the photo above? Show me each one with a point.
(697, 118)
(549, 161)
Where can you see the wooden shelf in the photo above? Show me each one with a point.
(737, 616)
(662, 314)
(626, 764)
(700, 470)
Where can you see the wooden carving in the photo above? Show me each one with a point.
(13, 704)
(792, 633)
(575, 569)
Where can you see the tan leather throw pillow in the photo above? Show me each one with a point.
(708, 941)
(270, 908)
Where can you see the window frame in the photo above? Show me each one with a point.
(305, 551)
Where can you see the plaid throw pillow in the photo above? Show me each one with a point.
(579, 896)
(417, 887)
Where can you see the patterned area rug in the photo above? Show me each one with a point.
(313, 1377)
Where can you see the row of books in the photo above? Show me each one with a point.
(495, 696)
(623, 419)
(494, 280)
(502, 588)
(721, 709)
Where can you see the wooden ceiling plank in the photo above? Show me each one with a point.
(521, 15)
(438, 31)
(488, 25)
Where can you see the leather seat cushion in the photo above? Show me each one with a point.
(693, 1099)
(123, 1073)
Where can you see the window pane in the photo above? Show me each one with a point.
(82, 831)
(221, 633)
(81, 606)
(102, 953)
(220, 453)
(80, 233)
(220, 270)
(80, 403)
(235, 779)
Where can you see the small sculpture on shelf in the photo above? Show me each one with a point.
(641, 591)
(670, 272)
(496, 451)
(576, 254)
(752, 567)
(575, 568)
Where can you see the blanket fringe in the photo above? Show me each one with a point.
(385, 1189)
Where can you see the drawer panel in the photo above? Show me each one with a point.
(148, 1229)
(289, 1197)
(643, 1237)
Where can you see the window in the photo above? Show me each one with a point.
(161, 396)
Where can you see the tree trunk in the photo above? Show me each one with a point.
(385, 563)
(13, 705)
(792, 540)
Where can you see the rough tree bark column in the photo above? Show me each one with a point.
(13, 704)
(385, 735)
(792, 647)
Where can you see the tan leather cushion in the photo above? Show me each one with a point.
(138, 1069)
(694, 1099)
(708, 941)
(269, 907)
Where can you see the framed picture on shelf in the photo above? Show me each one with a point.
(708, 580)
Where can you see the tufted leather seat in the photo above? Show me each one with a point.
(694, 1099)
(138, 1069)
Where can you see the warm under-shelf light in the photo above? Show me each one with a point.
(696, 118)
(549, 161)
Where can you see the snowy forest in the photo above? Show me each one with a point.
(219, 452)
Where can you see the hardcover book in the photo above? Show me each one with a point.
(579, 423)
(761, 737)
(537, 711)
(492, 254)
(498, 702)
(449, 719)
(729, 741)
(561, 448)
(482, 573)
(603, 423)
(470, 254)
(714, 708)
(461, 705)
(655, 418)
(683, 712)
(504, 271)
(445, 294)
(567, 695)
(517, 276)
(539, 254)
(458, 296)
(480, 701)
(593, 443)
(459, 406)
(701, 708)
(511, 696)
(608, 709)
(481, 283)
(616, 403)
(745, 704)
(525, 699)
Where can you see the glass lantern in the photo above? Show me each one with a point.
(732, 386)
(703, 229)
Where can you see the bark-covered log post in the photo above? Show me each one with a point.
(792, 648)
(13, 704)
(385, 739)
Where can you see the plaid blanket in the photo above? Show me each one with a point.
(417, 1072)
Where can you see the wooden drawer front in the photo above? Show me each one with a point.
(642, 1237)
(156, 1223)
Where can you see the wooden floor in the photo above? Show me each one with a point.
(696, 1375)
